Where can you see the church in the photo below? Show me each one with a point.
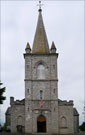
(41, 111)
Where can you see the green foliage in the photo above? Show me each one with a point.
(4, 126)
(2, 90)
(82, 127)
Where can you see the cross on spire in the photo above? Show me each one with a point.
(40, 5)
(40, 43)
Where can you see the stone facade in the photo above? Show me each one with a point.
(41, 111)
(8, 117)
(17, 114)
(76, 121)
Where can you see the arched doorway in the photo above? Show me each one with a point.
(41, 124)
(20, 124)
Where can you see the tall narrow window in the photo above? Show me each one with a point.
(54, 90)
(63, 122)
(40, 72)
(20, 120)
(41, 94)
(28, 91)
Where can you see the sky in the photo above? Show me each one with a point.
(64, 24)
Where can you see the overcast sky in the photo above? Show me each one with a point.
(64, 24)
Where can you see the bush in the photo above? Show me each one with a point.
(82, 127)
(4, 126)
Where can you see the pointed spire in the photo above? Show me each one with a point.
(53, 48)
(40, 44)
(28, 49)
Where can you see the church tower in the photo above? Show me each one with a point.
(41, 111)
(41, 84)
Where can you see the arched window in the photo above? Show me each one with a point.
(20, 120)
(40, 72)
(20, 123)
(63, 122)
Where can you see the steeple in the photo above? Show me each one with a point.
(40, 44)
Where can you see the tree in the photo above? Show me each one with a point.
(82, 127)
(4, 126)
(2, 90)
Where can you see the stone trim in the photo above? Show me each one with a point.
(40, 80)
(48, 54)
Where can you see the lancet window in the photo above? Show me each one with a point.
(40, 72)
(63, 122)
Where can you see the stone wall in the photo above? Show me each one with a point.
(76, 121)
(17, 110)
(66, 124)
(33, 85)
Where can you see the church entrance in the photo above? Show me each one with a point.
(41, 124)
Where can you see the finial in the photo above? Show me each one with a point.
(53, 48)
(28, 49)
(40, 6)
